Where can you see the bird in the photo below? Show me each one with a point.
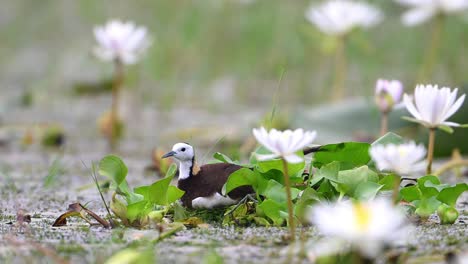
(203, 184)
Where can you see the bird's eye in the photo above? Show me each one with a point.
(183, 149)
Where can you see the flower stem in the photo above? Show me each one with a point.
(433, 49)
(383, 123)
(292, 226)
(430, 150)
(340, 69)
(114, 115)
(450, 165)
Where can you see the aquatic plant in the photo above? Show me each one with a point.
(431, 108)
(338, 18)
(121, 43)
(284, 145)
(368, 228)
(388, 95)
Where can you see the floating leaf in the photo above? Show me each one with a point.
(277, 192)
(157, 192)
(308, 197)
(428, 190)
(136, 210)
(113, 167)
(450, 195)
(348, 180)
(350, 154)
(428, 206)
(272, 210)
(239, 178)
(388, 182)
(411, 193)
(328, 171)
(389, 138)
(367, 190)
(174, 194)
(294, 169)
(223, 158)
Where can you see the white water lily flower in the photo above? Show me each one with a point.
(368, 226)
(122, 41)
(433, 106)
(338, 17)
(388, 94)
(404, 159)
(423, 10)
(283, 144)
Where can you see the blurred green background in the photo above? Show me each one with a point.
(221, 56)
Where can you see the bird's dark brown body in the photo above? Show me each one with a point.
(209, 180)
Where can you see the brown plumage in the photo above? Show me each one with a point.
(202, 185)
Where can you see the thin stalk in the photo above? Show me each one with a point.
(114, 115)
(451, 165)
(340, 69)
(292, 226)
(430, 150)
(396, 189)
(432, 52)
(383, 123)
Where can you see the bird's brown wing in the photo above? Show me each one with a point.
(219, 174)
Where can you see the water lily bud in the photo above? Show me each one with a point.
(388, 94)
(447, 214)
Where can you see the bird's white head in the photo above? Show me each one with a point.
(182, 152)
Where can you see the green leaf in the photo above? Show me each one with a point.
(367, 190)
(464, 126)
(239, 178)
(446, 129)
(308, 197)
(277, 164)
(277, 192)
(411, 193)
(450, 195)
(113, 167)
(410, 119)
(223, 158)
(174, 194)
(273, 210)
(388, 182)
(389, 138)
(157, 192)
(350, 154)
(179, 212)
(428, 191)
(171, 171)
(438, 187)
(427, 207)
(348, 180)
(142, 190)
(327, 190)
(328, 171)
(136, 210)
(294, 169)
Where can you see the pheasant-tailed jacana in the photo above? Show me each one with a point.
(203, 184)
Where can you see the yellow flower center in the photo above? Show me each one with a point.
(362, 216)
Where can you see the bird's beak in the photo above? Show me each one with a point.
(169, 154)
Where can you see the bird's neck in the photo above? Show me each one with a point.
(188, 168)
